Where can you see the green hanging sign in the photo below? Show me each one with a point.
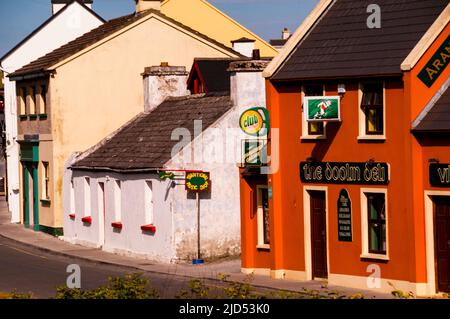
(322, 108)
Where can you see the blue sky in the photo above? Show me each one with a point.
(265, 17)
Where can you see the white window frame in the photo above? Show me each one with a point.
(260, 218)
(117, 200)
(149, 203)
(362, 117)
(32, 100)
(87, 196)
(365, 224)
(45, 171)
(305, 133)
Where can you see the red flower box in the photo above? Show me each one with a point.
(149, 228)
(87, 220)
(72, 216)
(117, 225)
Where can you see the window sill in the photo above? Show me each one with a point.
(375, 257)
(42, 116)
(117, 225)
(372, 138)
(149, 228)
(33, 116)
(87, 220)
(313, 137)
(23, 117)
(263, 247)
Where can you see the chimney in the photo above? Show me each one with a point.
(244, 46)
(161, 82)
(285, 34)
(59, 4)
(247, 83)
(142, 5)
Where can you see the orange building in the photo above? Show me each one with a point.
(360, 122)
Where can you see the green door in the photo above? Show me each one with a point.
(29, 157)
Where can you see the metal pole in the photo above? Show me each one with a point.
(198, 226)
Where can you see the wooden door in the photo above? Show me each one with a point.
(319, 235)
(442, 242)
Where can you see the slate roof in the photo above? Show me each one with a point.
(95, 35)
(436, 117)
(278, 42)
(341, 44)
(145, 143)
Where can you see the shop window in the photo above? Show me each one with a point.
(45, 181)
(374, 209)
(43, 99)
(372, 111)
(118, 200)
(312, 130)
(87, 196)
(263, 217)
(148, 195)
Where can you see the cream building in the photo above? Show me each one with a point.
(70, 20)
(89, 88)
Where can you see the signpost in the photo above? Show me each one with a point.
(198, 182)
(344, 208)
(322, 108)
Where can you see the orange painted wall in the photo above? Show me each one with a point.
(341, 145)
(408, 159)
(254, 258)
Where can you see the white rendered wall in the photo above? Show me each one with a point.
(70, 24)
(130, 240)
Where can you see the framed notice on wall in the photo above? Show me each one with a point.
(322, 108)
(344, 209)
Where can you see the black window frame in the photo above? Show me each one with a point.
(377, 223)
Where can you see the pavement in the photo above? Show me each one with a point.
(209, 271)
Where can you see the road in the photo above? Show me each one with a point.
(27, 270)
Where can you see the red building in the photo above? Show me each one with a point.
(361, 198)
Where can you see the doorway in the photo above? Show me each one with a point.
(442, 242)
(319, 260)
(30, 195)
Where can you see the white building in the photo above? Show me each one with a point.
(70, 20)
(114, 197)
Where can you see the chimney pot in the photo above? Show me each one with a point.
(142, 5)
(285, 34)
(256, 54)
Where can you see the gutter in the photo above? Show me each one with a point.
(31, 76)
(115, 170)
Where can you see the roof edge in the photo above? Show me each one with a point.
(235, 22)
(46, 22)
(430, 105)
(298, 35)
(427, 40)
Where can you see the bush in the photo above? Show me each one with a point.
(132, 286)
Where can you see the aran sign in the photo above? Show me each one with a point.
(322, 108)
(436, 65)
(255, 121)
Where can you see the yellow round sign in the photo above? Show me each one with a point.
(251, 122)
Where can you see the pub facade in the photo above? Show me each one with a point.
(360, 195)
